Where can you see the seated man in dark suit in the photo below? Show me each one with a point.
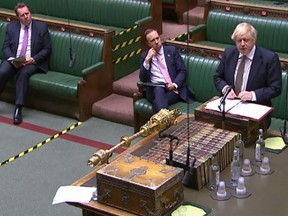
(254, 73)
(163, 68)
(31, 41)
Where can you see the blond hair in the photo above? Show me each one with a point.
(244, 29)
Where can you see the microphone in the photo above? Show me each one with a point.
(72, 56)
(283, 134)
(187, 157)
(283, 130)
(170, 136)
(189, 179)
(228, 89)
(72, 59)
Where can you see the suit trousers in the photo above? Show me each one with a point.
(23, 74)
(161, 98)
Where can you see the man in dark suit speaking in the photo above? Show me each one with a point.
(164, 72)
(252, 71)
(26, 48)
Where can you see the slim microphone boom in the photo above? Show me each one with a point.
(283, 130)
(72, 56)
(170, 136)
(228, 89)
(190, 176)
(72, 59)
(283, 134)
(170, 160)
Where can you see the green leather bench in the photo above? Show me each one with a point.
(111, 14)
(211, 38)
(262, 8)
(63, 90)
(220, 25)
(280, 105)
(98, 18)
(200, 78)
(201, 71)
(272, 8)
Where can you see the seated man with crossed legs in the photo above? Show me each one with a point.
(163, 67)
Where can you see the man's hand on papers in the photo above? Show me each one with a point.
(17, 62)
(231, 95)
(239, 107)
(245, 96)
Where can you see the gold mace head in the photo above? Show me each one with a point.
(158, 122)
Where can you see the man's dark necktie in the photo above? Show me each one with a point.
(239, 76)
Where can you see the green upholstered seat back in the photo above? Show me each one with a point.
(118, 13)
(2, 35)
(8, 4)
(200, 76)
(281, 101)
(168, 1)
(88, 52)
(272, 32)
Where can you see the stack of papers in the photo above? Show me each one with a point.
(240, 108)
(188, 208)
(19, 59)
(275, 144)
(73, 194)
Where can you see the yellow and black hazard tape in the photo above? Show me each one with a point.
(21, 154)
(128, 55)
(125, 43)
(180, 36)
(128, 30)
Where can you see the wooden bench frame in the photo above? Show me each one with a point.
(246, 8)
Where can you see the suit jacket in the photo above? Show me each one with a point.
(40, 43)
(265, 77)
(176, 70)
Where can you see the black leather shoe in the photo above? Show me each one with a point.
(17, 118)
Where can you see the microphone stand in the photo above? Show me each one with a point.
(283, 133)
(283, 130)
(223, 110)
(223, 103)
(170, 160)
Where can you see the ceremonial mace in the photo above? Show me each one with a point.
(158, 122)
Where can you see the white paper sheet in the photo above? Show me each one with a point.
(73, 194)
(229, 104)
(242, 108)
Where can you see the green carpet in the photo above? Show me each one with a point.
(28, 183)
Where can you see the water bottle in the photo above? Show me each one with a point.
(260, 147)
(239, 146)
(235, 169)
(214, 174)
